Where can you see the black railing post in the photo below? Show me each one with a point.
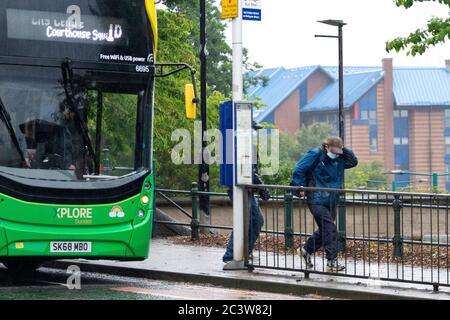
(247, 224)
(194, 222)
(342, 224)
(398, 239)
(288, 229)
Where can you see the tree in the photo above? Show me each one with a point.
(437, 31)
(217, 50)
(175, 31)
(367, 175)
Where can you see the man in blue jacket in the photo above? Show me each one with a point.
(323, 167)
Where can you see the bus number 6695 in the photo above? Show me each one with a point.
(143, 69)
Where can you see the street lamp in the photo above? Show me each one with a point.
(341, 204)
(340, 24)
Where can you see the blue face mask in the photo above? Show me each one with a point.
(332, 156)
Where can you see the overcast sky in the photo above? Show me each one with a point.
(285, 37)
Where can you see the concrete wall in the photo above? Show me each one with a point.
(367, 220)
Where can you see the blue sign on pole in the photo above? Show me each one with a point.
(251, 14)
(226, 126)
(251, 10)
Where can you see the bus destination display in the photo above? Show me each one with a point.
(72, 27)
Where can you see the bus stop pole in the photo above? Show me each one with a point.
(238, 192)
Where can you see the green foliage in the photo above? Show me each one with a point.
(174, 45)
(292, 149)
(179, 34)
(118, 128)
(367, 176)
(284, 175)
(218, 56)
(175, 31)
(417, 42)
(309, 137)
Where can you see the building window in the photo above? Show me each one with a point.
(447, 146)
(372, 117)
(447, 170)
(373, 131)
(373, 145)
(400, 113)
(403, 141)
(322, 118)
(364, 115)
(447, 118)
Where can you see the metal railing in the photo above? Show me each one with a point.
(185, 202)
(383, 235)
(392, 236)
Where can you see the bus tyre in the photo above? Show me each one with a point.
(22, 268)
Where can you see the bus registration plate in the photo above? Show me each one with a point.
(70, 246)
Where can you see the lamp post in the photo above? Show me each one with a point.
(341, 204)
(340, 24)
(203, 174)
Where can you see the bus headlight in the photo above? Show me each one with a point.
(145, 200)
(141, 213)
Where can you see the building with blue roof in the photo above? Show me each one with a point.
(400, 116)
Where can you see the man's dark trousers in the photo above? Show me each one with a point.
(256, 223)
(325, 236)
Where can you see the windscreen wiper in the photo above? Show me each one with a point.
(67, 74)
(6, 118)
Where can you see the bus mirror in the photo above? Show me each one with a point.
(190, 102)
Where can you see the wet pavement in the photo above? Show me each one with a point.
(50, 284)
(172, 261)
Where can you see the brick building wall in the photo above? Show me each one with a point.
(427, 153)
(388, 107)
(381, 114)
(315, 83)
(287, 115)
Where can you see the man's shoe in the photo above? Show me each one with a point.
(306, 257)
(226, 259)
(334, 266)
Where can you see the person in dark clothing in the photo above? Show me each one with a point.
(323, 167)
(256, 217)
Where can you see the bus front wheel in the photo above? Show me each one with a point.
(22, 267)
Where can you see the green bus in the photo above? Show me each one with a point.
(76, 123)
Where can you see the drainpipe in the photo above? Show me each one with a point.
(430, 154)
